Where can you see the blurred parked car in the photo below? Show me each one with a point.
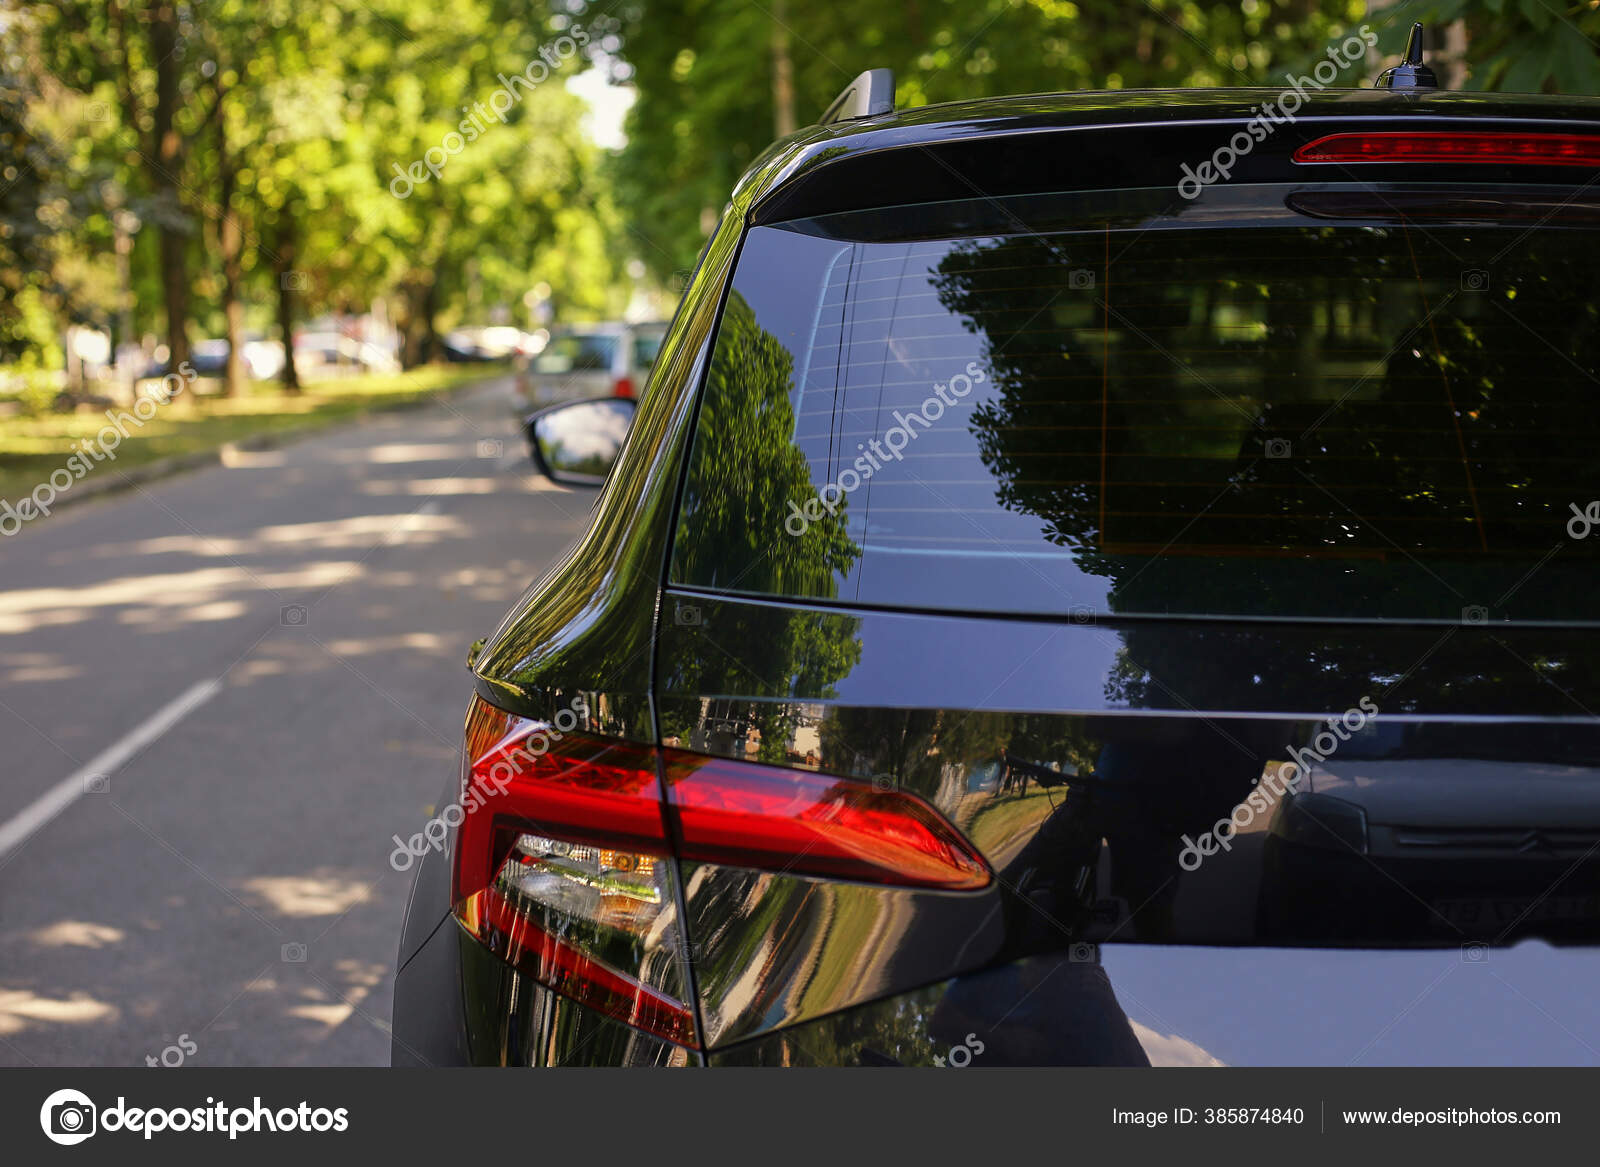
(263, 359)
(590, 360)
(318, 353)
(494, 343)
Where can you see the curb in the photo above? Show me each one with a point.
(180, 463)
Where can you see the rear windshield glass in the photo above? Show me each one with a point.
(1250, 411)
(573, 353)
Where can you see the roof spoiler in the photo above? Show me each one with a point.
(869, 94)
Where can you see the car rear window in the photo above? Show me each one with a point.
(646, 348)
(1242, 407)
(577, 353)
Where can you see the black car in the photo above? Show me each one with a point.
(1088, 582)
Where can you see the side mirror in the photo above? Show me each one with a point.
(576, 443)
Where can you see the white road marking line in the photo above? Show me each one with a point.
(64, 793)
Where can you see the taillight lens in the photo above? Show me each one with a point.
(623, 387)
(594, 924)
(565, 785)
(561, 867)
(564, 863)
(744, 815)
(1480, 148)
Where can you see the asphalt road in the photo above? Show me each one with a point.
(221, 694)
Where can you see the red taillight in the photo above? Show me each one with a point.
(623, 387)
(561, 867)
(805, 823)
(565, 785)
(564, 865)
(1481, 148)
(573, 972)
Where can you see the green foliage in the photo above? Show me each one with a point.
(310, 105)
(747, 472)
(704, 71)
(292, 116)
(31, 162)
(1519, 46)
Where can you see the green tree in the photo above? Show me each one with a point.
(1520, 46)
(715, 77)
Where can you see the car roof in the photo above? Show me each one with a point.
(1085, 107)
(801, 154)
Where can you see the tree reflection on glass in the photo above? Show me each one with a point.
(746, 470)
(1290, 421)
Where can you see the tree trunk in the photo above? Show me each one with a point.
(431, 348)
(230, 242)
(413, 343)
(164, 170)
(285, 276)
(782, 73)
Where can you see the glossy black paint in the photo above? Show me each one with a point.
(1083, 759)
(1075, 754)
(587, 626)
(1127, 138)
(513, 1021)
(430, 1027)
(430, 887)
(457, 1004)
(1041, 1011)
(1200, 1007)
(823, 945)
(1296, 671)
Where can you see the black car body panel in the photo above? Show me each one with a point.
(1088, 752)
(589, 624)
(1127, 138)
